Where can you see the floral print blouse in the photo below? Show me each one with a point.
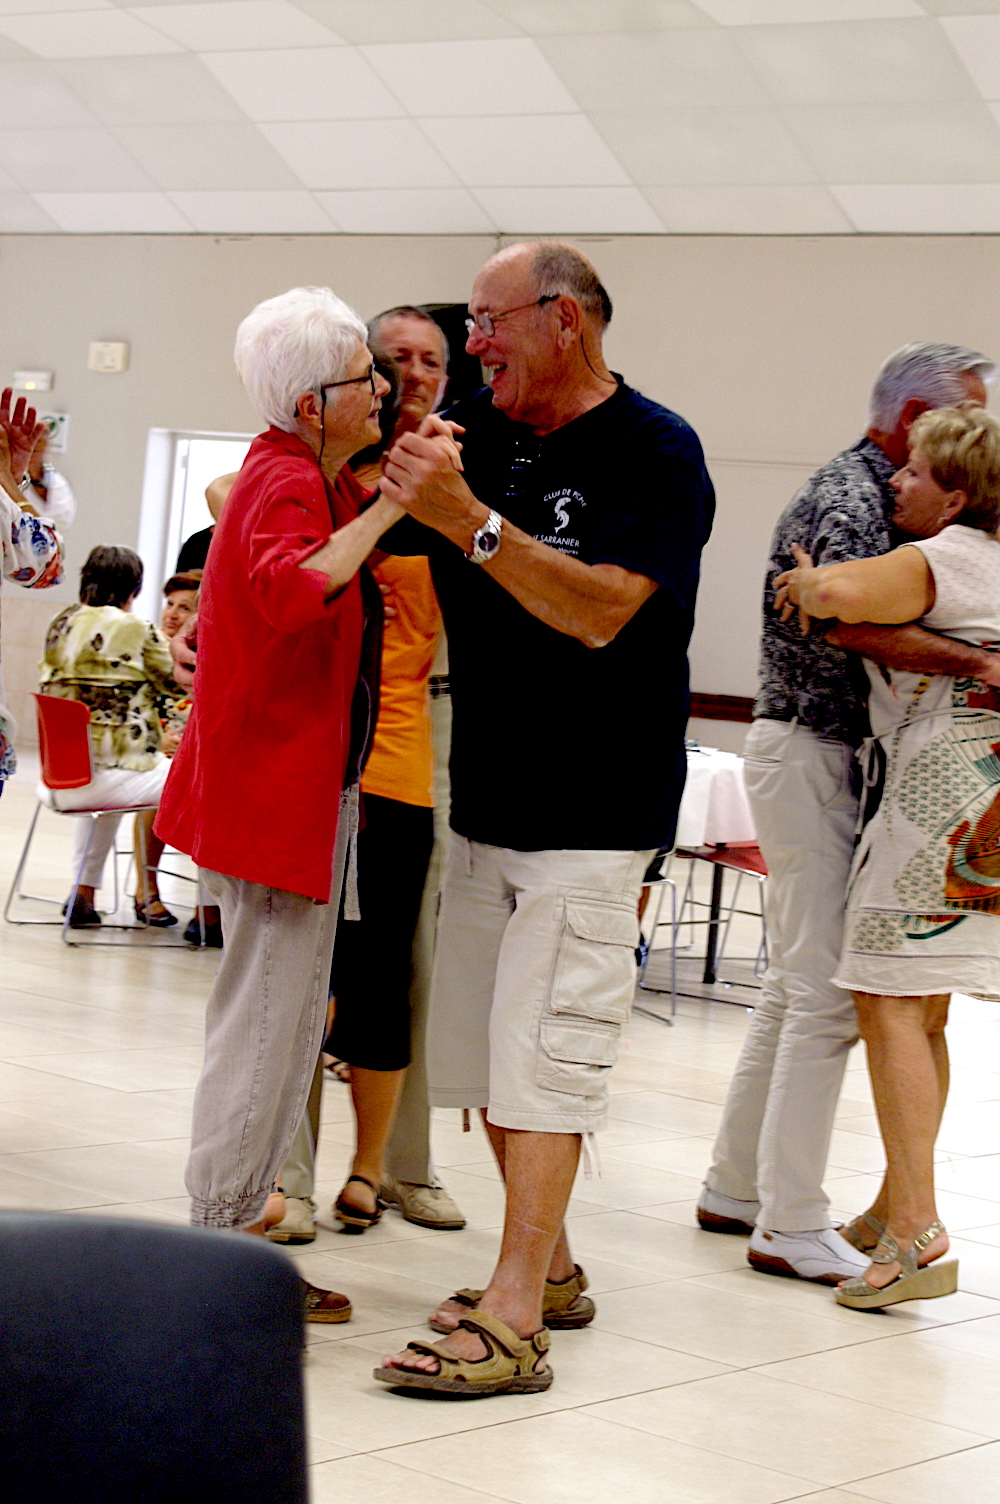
(120, 667)
(33, 556)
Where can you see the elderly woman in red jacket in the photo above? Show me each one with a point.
(255, 791)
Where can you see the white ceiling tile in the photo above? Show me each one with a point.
(705, 146)
(85, 33)
(316, 83)
(510, 151)
(231, 155)
(577, 17)
(360, 154)
(788, 210)
(570, 211)
(899, 143)
(220, 25)
(654, 70)
(7, 183)
(254, 213)
(10, 52)
(150, 90)
(84, 157)
(113, 213)
(774, 12)
(407, 211)
(840, 63)
(32, 94)
(20, 215)
(922, 208)
(409, 20)
(39, 7)
(976, 39)
(472, 78)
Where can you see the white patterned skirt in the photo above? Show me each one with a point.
(923, 904)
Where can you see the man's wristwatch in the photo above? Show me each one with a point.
(486, 539)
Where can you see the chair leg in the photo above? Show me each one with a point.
(720, 953)
(15, 887)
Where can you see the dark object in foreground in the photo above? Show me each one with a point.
(139, 1361)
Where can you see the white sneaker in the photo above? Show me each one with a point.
(821, 1255)
(723, 1214)
(298, 1225)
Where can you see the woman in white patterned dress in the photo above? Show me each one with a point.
(923, 907)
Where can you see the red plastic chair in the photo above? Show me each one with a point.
(64, 742)
(67, 763)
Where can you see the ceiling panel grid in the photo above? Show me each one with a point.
(500, 116)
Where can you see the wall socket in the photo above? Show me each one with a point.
(108, 357)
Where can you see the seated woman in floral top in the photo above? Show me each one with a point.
(119, 666)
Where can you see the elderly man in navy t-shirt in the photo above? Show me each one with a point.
(565, 555)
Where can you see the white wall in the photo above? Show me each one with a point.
(768, 345)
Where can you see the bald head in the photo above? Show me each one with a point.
(552, 268)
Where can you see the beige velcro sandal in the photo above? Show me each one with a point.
(564, 1305)
(508, 1368)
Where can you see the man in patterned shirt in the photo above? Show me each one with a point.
(770, 1154)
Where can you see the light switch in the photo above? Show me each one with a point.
(32, 381)
(108, 357)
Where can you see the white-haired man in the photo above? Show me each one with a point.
(254, 793)
(563, 587)
(770, 1154)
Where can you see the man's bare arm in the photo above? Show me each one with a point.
(591, 602)
(913, 649)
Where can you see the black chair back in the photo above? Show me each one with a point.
(147, 1364)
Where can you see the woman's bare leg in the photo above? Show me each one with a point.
(376, 1097)
(908, 1064)
(148, 851)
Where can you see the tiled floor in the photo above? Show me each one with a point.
(699, 1383)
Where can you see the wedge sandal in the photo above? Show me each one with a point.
(564, 1305)
(912, 1283)
(508, 1368)
(355, 1218)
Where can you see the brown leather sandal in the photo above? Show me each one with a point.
(564, 1305)
(354, 1218)
(510, 1365)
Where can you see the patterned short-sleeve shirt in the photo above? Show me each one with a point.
(842, 512)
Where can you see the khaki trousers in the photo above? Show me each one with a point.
(774, 1139)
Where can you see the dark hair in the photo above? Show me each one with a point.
(562, 268)
(111, 576)
(187, 581)
(388, 412)
(407, 311)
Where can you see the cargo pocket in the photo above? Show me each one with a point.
(589, 996)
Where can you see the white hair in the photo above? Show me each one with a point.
(931, 372)
(292, 344)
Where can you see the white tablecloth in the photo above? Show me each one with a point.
(715, 807)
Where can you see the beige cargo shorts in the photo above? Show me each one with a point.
(534, 975)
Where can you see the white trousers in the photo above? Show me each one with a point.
(110, 788)
(774, 1139)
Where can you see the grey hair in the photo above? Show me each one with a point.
(930, 372)
(408, 311)
(294, 343)
(562, 269)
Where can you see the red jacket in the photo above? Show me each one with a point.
(255, 785)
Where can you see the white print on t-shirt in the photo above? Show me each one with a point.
(561, 501)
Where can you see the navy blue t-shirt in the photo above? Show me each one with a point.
(555, 745)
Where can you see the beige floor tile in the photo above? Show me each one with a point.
(725, 1328)
(21, 1134)
(987, 1235)
(569, 1457)
(916, 1375)
(803, 1295)
(966, 1476)
(108, 1116)
(978, 1338)
(123, 1172)
(976, 1177)
(371, 1480)
(760, 1419)
(28, 1193)
(688, 1156)
(124, 1070)
(621, 1185)
(661, 1250)
(677, 1115)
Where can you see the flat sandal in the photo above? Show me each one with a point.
(912, 1283)
(354, 1218)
